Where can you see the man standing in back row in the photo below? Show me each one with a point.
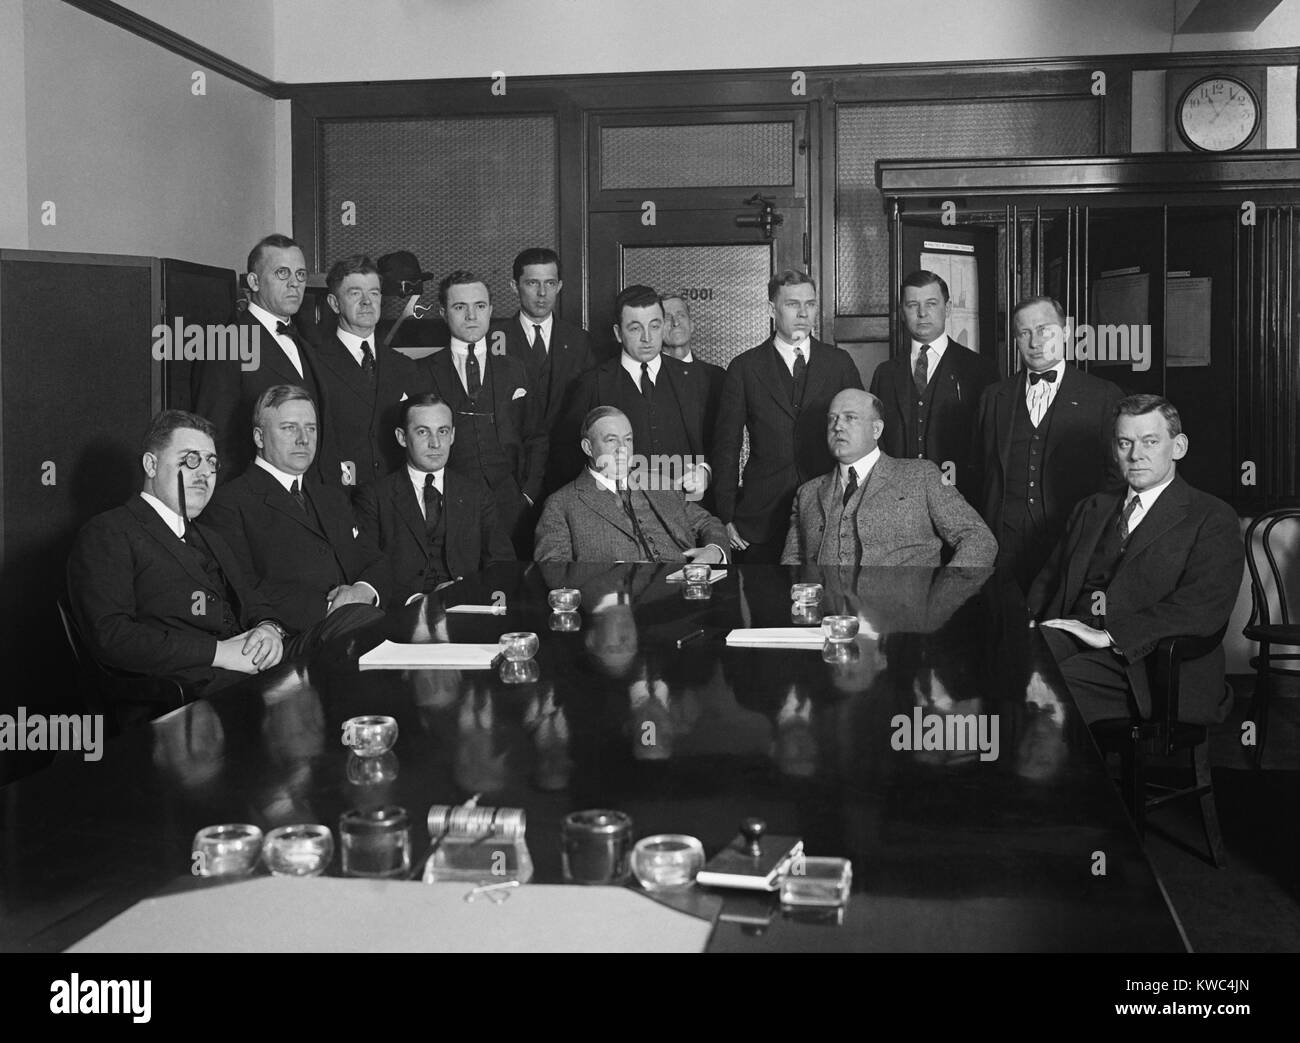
(1042, 440)
(929, 396)
(779, 392)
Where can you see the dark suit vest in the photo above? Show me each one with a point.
(657, 427)
(477, 450)
(1023, 492)
(918, 411)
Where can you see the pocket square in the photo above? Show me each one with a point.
(355, 532)
(404, 397)
(519, 393)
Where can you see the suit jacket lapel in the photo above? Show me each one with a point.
(681, 385)
(1079, 552)
(1008, 400)
(154, 525)
(408, 509)
(880, 476)
(604, 503)
(273, 355)
(335, 357)
(275, 496)
(447, 379)
(774, 375)
(1162, 516)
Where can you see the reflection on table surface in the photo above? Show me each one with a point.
(940, 753)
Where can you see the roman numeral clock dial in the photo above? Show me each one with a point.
(1218, 114)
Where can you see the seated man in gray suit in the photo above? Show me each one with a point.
(613, 510)
(873, 509)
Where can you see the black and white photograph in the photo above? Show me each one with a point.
(586, 476)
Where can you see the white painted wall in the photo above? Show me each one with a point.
(339, 40)
(134, 162)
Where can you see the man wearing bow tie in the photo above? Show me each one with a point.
(1158, 559)
(1042, 441)
(223, 391)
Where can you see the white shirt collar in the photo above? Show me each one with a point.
(633, 367)
(1053, 385)
(353, 343)
(460, 348)
(170, 518)
(417, 481)
(863, 467)
(528, 322)
(1149, 496)
(786, 351)
(939, 345)
(603, 481)
(283, 477)
(690, 356)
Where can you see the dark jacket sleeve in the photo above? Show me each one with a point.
(727, 440)
(101, 588)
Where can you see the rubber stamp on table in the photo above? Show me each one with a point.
(754, 860)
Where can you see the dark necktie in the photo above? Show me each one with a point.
(1049, 376)
(432, 504)
(921, 371)
(539, 343)
(285, 330)
(850, 487)
(298, 496)
(625, 494)
(647, 385)
(368, 362)
(800, 367)
(1132, 506)
(473, 382)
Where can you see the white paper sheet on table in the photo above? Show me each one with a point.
(680, 576)
(478, 610)
(777, 637)
(393, 656)
(327, 914)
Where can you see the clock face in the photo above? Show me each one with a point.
(1218, 114)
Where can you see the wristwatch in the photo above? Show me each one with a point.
(277, 627)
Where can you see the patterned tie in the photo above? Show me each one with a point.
(800, 366)
(539, 343)
(647, 385)
(297, 494)
(921, 371)
(432, 504)
(850, 487)
(368, 362)
(1132, 506)
(473, 383)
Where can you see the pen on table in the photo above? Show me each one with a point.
(692, 636)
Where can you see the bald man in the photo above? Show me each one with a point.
(873, 509)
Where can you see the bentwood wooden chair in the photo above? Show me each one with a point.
(1270, 621)
(1164, 735)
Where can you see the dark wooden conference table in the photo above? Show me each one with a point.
(1028, 851)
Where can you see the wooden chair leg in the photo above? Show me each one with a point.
(1132, 771)
(1209, 810)
(1259, 702)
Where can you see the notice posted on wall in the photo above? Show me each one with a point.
(961, 272)
(1187, 321)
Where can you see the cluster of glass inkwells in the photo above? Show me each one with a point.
(839, 632)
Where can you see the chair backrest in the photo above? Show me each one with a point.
(72, 633)
(1267, 580)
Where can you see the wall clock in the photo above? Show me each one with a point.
(1217, 114)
